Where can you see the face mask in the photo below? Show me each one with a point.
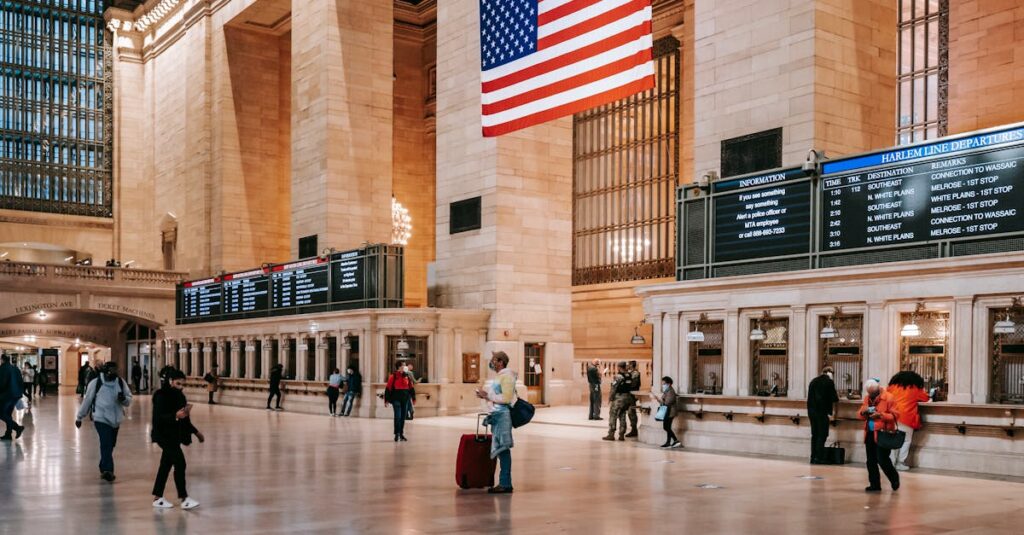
(829, 374)
(664, 388)
(405, 368)
(491, 366)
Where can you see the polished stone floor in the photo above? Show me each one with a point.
(261, 472)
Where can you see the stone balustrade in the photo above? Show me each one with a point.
(57, 272)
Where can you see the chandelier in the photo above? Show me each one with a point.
(401, 224)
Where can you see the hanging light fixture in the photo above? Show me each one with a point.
(911, 329)
(403, 344)
(637, 339)
(757, 333)
(828, 331)
(697, 335)
(41, 314)
(401, 223)
(314, 328)
(1006, 325)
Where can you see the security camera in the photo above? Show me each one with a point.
(810, 165)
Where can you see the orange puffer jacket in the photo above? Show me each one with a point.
(885, 406)
(907, 398)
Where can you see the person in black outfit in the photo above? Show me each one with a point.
(136, 374)
(171, 429)
(354, 383)
(83, 378)
(275, 386)
(821, 399)
(594, 381)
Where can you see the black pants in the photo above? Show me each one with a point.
(819, 434)
(172, 457)
(7, 415)
(595, 401)
(27, 387)
(670, 434)
(108, 441)
(332, 399)
(135, 383)
(879, 456)
(274, 392)
(210, 394)
(400, 404)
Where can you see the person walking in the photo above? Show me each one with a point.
(105, 400)
(620, 394)
(667, 398)
(501, 395)
(170, 424)
(333, 391)
(136, 374)
(28, 381)
(83, 378)
(907, 388)
(354, 389)
(878, 410)
(40, 382)
(594, 382)
(275, 386)
(10, 393)
(821, 400)
(212, 383)
(633, 376)
(410, 407)
(396, 394)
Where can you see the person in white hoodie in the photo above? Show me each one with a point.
(106, 398)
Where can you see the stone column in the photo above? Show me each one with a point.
(250, 358)
(266, 345)
(961, 334)
(283, 354)
(341, 352)
(223, 346)
(734, 335)
(685, 380)
(669, 348)
(797, 345)
(877, 343)
(321, 357)
(342, 89)
(235, 348)
(194, 362)
(457, 356)
(208, 355)
(301, 349)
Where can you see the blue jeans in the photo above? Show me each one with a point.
(346, 404)
(399, 408)
(505, 469)
(108, 440)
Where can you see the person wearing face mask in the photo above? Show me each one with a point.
(821, 400)
(171, 424)
(354, 389)
(105, 399)
(397, 394)
(667, 398)
(879, 412)
(502, 396)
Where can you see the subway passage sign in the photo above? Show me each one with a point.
(961, 188)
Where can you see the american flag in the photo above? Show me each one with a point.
(544, 59)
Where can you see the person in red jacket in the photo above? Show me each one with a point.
(398, 394)
(878, 410)
(907, 388)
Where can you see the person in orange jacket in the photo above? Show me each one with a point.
(907, 388)
(878, 410)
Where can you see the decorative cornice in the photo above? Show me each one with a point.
(422, 14)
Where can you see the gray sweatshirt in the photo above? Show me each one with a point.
(107, 409)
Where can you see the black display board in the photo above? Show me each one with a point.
(300, 284)
(371, 277)
(956, 196)
(200, 300)
(246, 293)
(762, 216)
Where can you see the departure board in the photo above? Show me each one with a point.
(347, 274)
(246, 292)
(298, 284)
(955, 196)
(762, 216)
(201, 299)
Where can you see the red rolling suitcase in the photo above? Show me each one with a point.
(474, 468)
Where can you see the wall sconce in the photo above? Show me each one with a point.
(697, 335)
(911, 329)
(1006, 325)
(637, 339)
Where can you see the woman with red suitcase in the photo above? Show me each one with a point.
(502, 396)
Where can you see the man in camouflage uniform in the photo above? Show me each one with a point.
(619, 403)
(633, 376)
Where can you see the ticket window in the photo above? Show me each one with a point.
(533, 369)
(706, 356)
(844, 353)
(927, 353)
(1007, 359)
(770, 364)
(257, 361)
(417, 355)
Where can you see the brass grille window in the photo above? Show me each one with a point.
(770, 365)
(1008, 358)
(417, 354)
(625, 169)
(706, 356)
(844, 353)
(923, 79)
(55, 107)
(927, 353)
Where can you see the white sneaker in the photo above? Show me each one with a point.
(161, 503)
(189, 503)
(902, 467)
(676, 444)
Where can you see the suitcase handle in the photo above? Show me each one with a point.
(477, 436)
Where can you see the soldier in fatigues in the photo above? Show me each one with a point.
(633, 376)
(619, 403)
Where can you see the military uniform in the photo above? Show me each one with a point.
(633, 376)
(619, 404)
